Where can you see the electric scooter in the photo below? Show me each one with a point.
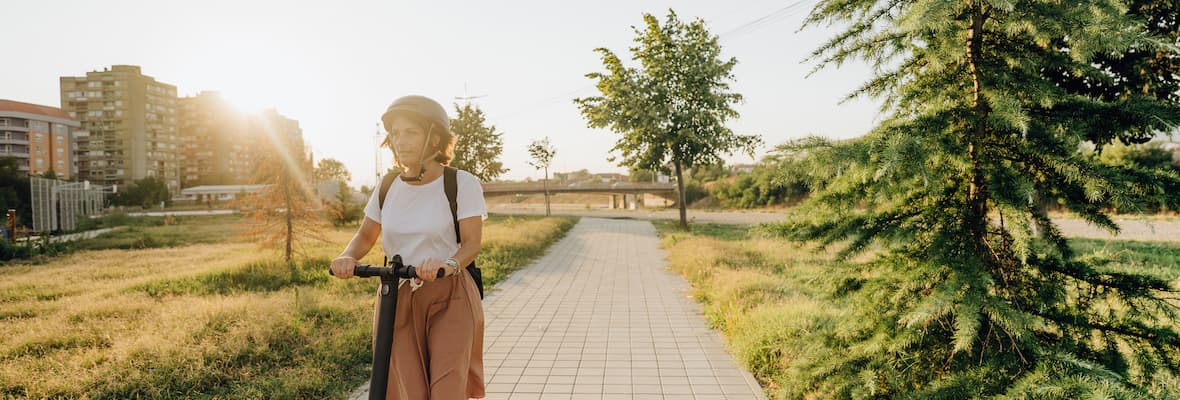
(383, 349)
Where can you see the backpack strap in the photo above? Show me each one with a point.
(386, 182)
(451, 186)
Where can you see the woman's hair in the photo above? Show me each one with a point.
(446, 142)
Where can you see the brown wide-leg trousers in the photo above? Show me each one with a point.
(437, 341)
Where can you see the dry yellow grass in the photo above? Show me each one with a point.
(83, 326)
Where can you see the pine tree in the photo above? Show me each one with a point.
(974, 292)
(287, 212)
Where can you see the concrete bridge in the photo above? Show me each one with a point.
(623, 194)
(659, 189)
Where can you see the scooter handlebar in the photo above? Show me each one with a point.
(407, 271)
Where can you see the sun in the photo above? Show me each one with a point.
(246, 101)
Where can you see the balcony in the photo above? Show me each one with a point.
(14, 128)
(16, 154)
(14, 140)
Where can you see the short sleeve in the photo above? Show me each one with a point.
(470, 197)
(372, 210)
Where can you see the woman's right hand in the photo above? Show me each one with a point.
(343, 266)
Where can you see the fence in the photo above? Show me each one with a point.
(58, 205)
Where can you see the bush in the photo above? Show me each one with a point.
(32, 248)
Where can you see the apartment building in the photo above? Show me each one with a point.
(217, 147)
(41, 138)
(131, 123)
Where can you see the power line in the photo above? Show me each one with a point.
(767, 20)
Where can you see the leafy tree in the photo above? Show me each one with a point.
(477, 145)
(15, 193)
(330, 169)
(286, 212)
(542, 153)
(773, 181)
(640, 175)
(975, 292)
(674, 106)
(146, 193)
(343, 209)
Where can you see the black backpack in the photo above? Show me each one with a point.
(451, 187)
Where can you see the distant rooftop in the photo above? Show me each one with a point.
(29, 108)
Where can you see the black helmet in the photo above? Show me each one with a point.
(419, 106)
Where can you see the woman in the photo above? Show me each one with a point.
(438, 333)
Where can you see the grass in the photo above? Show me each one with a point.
(205, 316)
(157, 232)
(773, 299)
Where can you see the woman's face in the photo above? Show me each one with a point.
(408, 139)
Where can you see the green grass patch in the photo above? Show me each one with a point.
(262, 276)
(782, 308)
(1158, 259)
(157, 232)
(316, 351)
(231, 324)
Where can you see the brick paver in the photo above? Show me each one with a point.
(599, 317)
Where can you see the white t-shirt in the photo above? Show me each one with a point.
(416, 220)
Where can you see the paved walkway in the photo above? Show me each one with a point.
(599, 317)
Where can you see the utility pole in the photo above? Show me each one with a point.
(377, 159)
(466, 99)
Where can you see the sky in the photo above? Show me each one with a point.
(335, 66)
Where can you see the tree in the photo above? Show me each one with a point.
(477, 145)
(542, 153)
(343, 209)
(975, 292)
(673, 106)
(146, 193)
(15, 193)
(1148, 70)
(287, 211)
(641, 175)
(330, 169)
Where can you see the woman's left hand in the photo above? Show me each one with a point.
(429, 269)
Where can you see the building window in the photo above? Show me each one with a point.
(3, 121)
(40, 162)
(39, 136)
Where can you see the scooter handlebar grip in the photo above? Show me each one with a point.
(355, 268)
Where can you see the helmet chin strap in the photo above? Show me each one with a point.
(421, 159)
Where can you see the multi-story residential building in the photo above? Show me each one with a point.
(131, 120)
(41, 138)
(221, 145)
(216, 143)
(277, 132)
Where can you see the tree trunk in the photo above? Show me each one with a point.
(680, 187)
(287, 199)
(546, 191)
(977, 192)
